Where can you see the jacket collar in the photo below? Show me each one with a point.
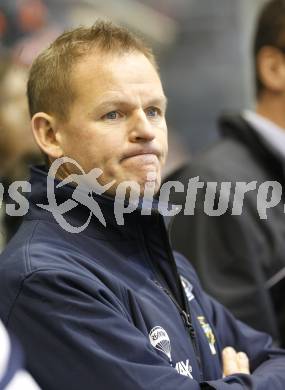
(80, 214)
(234, 126)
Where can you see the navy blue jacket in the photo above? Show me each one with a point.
(106, 309)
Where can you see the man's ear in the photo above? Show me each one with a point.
(46, 134)
(271, 69)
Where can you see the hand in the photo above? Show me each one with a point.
(235, 362)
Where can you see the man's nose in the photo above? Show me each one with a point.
(141, 130)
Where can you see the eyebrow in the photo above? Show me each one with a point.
(162, 100)
(158, 101)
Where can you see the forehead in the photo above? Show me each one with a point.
(129, 75)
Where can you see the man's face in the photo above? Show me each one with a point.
(117, 121)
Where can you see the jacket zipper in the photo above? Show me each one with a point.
(185, 314)
(186, 317)
(185, 311)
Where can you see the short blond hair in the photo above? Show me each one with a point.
(49, 85)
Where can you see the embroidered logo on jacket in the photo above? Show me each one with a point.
(159, 340)
(184, 368)
(209, 333)
(187, 288)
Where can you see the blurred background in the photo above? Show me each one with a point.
(203, 47)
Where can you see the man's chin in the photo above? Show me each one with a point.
(150, 188)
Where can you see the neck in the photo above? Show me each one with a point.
(272, 108)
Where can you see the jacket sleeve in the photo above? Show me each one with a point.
(228, 253)
(267, 364)
(77, 336)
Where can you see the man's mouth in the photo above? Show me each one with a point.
(147, 154)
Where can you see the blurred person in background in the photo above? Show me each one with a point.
(25, 28)
(17, 146)
(12, 374)
(241, 258)
(21, 18)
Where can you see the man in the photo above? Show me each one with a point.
(241, 258)
(111, 307)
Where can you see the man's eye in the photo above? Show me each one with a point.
(112, 115)
(152, 112)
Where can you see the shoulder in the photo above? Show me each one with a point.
(35, 246)
(39, 261)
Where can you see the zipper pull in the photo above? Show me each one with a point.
(158, 284)
(185, 316)
(188, 323)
